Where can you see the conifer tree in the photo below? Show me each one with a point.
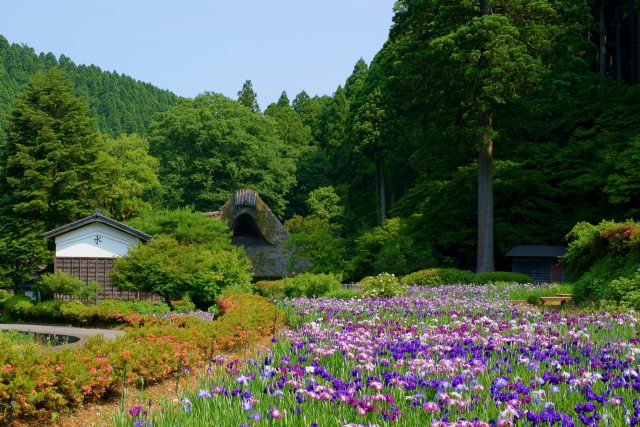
(248, 97)
(283, 101)
(46, 170)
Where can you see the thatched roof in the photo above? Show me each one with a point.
(258, 230)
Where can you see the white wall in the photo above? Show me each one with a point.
(81, 242)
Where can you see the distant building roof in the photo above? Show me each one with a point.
(97, 216)
(538, 251)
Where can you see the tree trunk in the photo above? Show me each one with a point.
(633, 41)
(618, 46)
(485, 199)
(484, 260)
(382, 198)
(603, 48)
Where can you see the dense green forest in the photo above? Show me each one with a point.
(491, 123)
(118, 103)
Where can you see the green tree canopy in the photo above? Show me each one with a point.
(118, 103)
(186, 226)
(477, 56)
(190, 254)
(174, 270)
(129, 174)
(211, 146)
(324, 203)
(316, 246)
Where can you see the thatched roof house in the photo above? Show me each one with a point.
(258, 230)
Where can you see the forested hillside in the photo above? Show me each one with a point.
(538, 83)
(478, 124)
(119, 103)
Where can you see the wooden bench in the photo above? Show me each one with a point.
(557, 300)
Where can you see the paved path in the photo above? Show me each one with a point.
(82, 333)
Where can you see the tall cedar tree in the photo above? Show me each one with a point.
(479, 55)
(248, 97)
(46, 170)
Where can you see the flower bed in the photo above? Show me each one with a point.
(457, 356)
(153, 349)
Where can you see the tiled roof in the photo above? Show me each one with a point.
(97, 216)
(537, 251)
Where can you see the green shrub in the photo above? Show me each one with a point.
(140, 307)
(75, 312)
(626, 290)
(597, 282)
(215, 310)
(184, 305)
(4, 295)
(271, 288)
(65, 283)
(389, 248)
(18, 307)
(173, 269)
(47, 311)
(384, 285)
(502, 276)
(438, 276)
(316, 246)
(589, 243)
(311, 285)
(343, 294)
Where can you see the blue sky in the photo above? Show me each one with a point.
(193, 46)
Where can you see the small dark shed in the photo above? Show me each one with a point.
(538, 261)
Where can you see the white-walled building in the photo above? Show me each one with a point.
(87, 249)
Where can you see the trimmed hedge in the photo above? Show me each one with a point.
(447, 276)
(502, 276)
(19, 307)
(438, 276)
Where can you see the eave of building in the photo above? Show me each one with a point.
(97, 216)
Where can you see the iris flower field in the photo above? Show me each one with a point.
(447, 356)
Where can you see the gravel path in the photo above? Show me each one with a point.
(82, 333)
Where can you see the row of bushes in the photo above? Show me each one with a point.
(152, 350)
(382, 285)
(21, 308)
(447, 276)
